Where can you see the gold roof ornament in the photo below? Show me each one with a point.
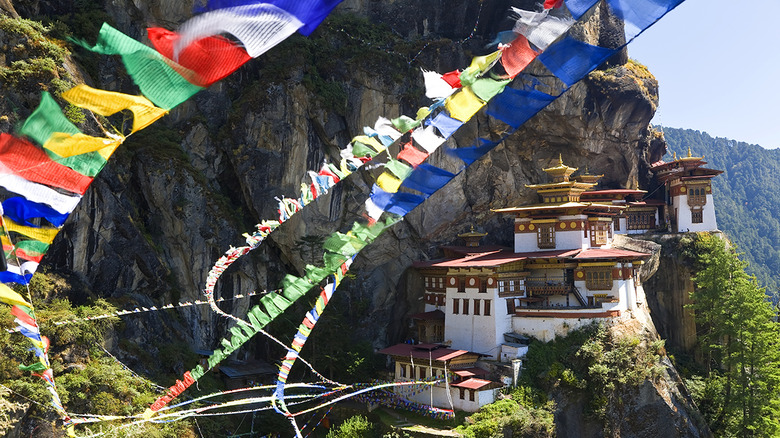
(472, 238)
(588, 178)
(561, 172)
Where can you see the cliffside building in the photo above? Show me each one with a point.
(688, 193)
(562, 273)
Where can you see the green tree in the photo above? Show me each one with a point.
(738, 338)
(353, 427)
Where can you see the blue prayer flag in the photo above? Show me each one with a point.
(570, 60)
(427, 179)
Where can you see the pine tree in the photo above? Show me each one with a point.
(739, 338)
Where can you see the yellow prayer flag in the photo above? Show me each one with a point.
(388, 182)
(463, 104)
(67, 145)
(370, 141)
(482, 63)
(45, 235)
(8, 296)
(423, 112)
(107, 103)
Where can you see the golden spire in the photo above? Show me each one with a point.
(674, 154)
(689, 152)
(560, 159)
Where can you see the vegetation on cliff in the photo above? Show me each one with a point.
(737, 385)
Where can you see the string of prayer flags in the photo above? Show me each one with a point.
(570, 60)
(412, 155)
(107, 103)
(463, 105)
(515, 106)
(427, 179)
(258, 26)
(540, 28)
(41, 234)
(27, 161)
(517, 55)
(160, 80)
(211, 59)
(32, 250)
(384, 127)
(445, 124)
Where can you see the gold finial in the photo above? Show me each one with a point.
(472, 228)
(560, 159)
(674, 154)
(689, 152)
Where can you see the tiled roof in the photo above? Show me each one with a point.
(473, 383)
(598, 253)
(440, 354)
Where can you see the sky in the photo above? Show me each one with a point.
(717, 63)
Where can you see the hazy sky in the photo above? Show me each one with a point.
(718, 65)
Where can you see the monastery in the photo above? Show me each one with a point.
(482, 302)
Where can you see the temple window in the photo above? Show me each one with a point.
(616, 221)
(545, 235)
(641, 220)
(462, 284)
(510, 306)
(455, 306)
(697, 216)
(486, 311)
(465, 306)
(697, 196)
(476, 307)
(598, 233)
(598, 279)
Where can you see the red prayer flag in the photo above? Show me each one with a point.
(549, 4)
(23, 316)
(211, 58)
(412, 155)
(32, 164)
(517, 56)
(452, 78)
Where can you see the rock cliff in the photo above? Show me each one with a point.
(178, 194)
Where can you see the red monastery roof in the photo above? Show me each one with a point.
(499, 258)
(472, 383)
(423, 351)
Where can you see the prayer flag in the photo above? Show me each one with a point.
(21, 210)
(571, 60)
(427, 179)
(210, 58)
(31, 163)
(8, 296)
(517, 56)
(412, 155)
(258, 26)
(445, 124)
(160, 80)
(388, 182)
(463, 105)
(486, 88)
(107, 103)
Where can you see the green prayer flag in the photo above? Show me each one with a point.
(405, 123)
(88, 164)
(316, 274)
(32, 247)
(333, 260)
(487, 88)
(258, 318)
(295, 287)
(46, 120)
(36, 367)
(361, 150)
(399, 169)
(469, 76)
(154, 75)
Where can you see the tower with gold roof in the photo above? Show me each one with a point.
(688, 186)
